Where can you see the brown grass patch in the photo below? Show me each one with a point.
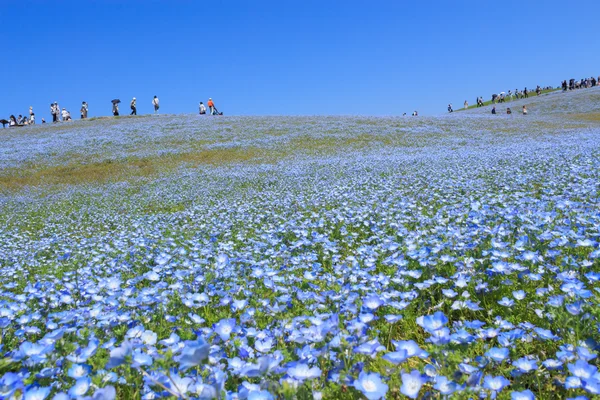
(118, 170)
(590, 117)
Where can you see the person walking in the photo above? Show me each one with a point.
(211, 106)
(133, 108)
(115, 109)
(30, 111)
(202, 109)
(156, 105)
(466, 104)
(84, 110)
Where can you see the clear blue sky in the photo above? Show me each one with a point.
(288, 57)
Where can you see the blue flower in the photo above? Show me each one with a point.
(525, 365)
(302, 371)
(445, 386)
(431, 323)
(78, 371)
(497, 354)
(106, 393)
(411, 384)
(118, 354)
(80, 387)
(371, 385)
(193, 353)
(495, 383)
(524, 395)
(581, 369)
(37, 393)
(260, 395)
(396, 357)
(224, 328)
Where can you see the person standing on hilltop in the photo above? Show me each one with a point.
(84, 110)
(115, 109)
(155, 103)
(211, 106)
(466, 104)
(133, 108)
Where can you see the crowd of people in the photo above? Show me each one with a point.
(580, 84)
(64, 115)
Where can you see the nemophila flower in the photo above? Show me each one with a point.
(78, 370)
(582, 369)
(260, 395)
(445, 386)
(372, 302)
(525, 365)
(264, 345)
(411, 384)
(371, 385)
(149, 337)
(371, 348)
(545, 334)
(171, 340)
(575, 308)
(118, 354)
(572, 382)
(80, 387)
(396, 357)
(140, 359)
(506, 302)
(179, 386)
(592, 386)
(433, 322)
(519, 294)
(497, 354)
(523, 395)
(224, 328)
(392, 318)
(552, 364)
(585, 354)
(411, 347)
(302, 372)
(105, 393)
(495, 383)
(193, 353)
(440, 336)
(37, 393)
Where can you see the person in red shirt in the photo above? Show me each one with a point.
(211, 106)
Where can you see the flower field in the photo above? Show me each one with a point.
(304, 257)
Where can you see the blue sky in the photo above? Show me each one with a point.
(287, 57)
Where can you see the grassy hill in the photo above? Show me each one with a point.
(303, 257)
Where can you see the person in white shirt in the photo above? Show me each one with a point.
(66, 115)
(202, 109)
(155, 104)
(133, 107)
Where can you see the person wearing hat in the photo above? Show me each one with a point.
(115, 109)
(211, 106)
(133, 108)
